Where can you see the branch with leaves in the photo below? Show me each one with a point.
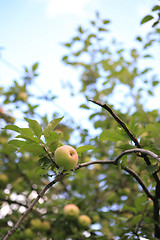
(33, 142)
(63, 174)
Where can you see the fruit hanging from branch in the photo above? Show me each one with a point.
(66, 157)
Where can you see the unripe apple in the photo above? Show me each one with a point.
(45, 226)
(3, 180)
(66, 157)
(71, 211)
(84, 221)
(36, 224)
(28, 233)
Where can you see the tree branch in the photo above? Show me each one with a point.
(63, 174)
(16, 226)
(130, 171)
(123, 125)
(139, 180)
(133, 138)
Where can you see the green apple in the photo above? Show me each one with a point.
(66, 157)
(45, 226)
(36, 224)
(84, 221)
(3, 180)
(71, 211)
(28, 233)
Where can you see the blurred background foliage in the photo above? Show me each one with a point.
(109, 73)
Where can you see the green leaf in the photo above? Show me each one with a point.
(155, 8)
(51, 126)
(53, 140)
(140, 202)
(67, 44)
(155, 23)
(84, 148)
(146, 19)
(152, 168)
(17, 143)
(33, 148)
(84, 106)
(154, 83)
(35, 126)
(80, 29)
(12, 127)
(136, 219)
(64, 58)
(35, 66)
(106, 21)
(111, 135)
(26, 132)
(147, 56)
(102, 29)
(146, 70)
(8, 149)
(130, 209)
(139, 39)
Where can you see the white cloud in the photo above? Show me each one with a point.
(60, 7)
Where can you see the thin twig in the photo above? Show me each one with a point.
(50, 158)
(123, 125)
(139, 180)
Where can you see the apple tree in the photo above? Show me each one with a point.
(113, 192)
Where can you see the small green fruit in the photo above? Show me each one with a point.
(28, 234)
(66, 157)
(3, 180)
(71, 211)
(45, 226)
(36, 224)
(84, 221)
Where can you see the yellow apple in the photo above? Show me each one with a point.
(71, 211)
(23, 96)
(84, 221)
(66, 157)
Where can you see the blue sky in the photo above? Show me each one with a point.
(32, 30)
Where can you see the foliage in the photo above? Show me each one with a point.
(120, 197)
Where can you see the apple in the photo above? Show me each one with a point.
(95, 218)
(23, 96)
(3, 180)
(45, 226)
(28, 233)
(84, 221)
(71, 211)
(66, 157)
(36, 224)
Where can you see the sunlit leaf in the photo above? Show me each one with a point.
(12, 127)
(35, 66)
(84, 148)
(111, 135)
(51, 126)
(35, 126)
